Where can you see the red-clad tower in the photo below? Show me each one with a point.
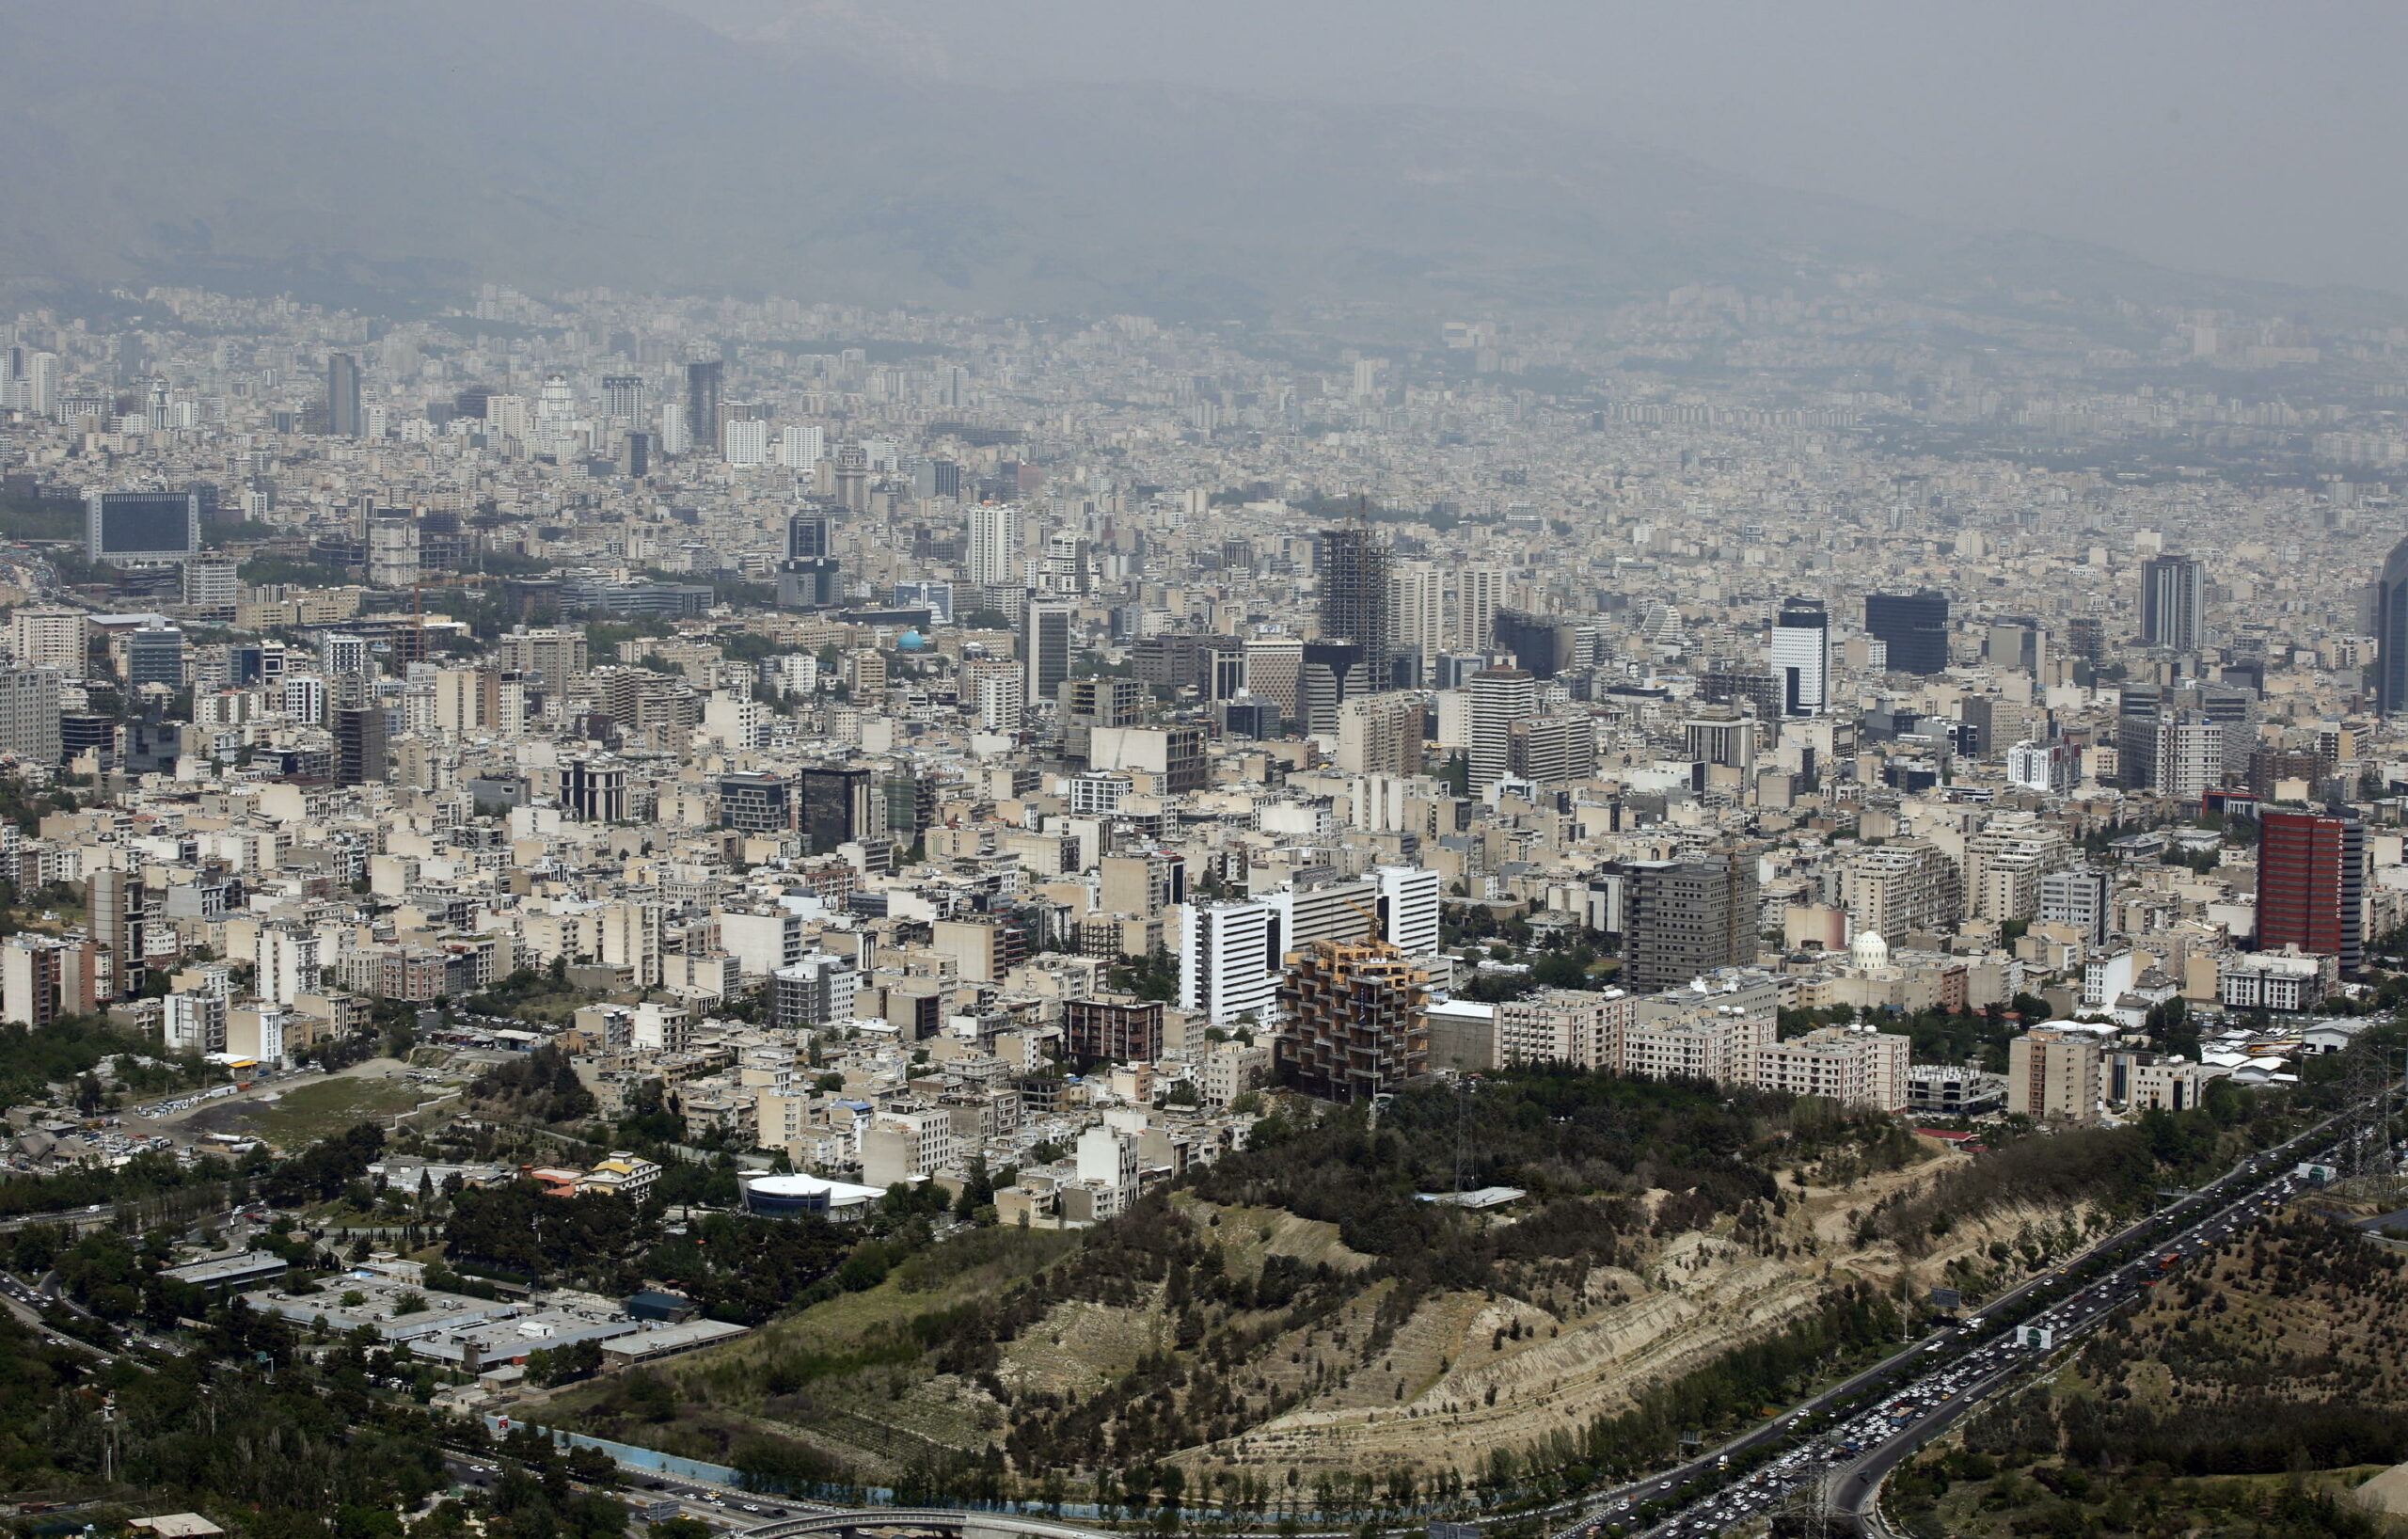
(2312, 884)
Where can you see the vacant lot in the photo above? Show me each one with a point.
(315, 1111)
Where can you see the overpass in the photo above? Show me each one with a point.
(950, 1520)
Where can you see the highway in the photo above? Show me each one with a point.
(1933, 1383)
(714, 1505)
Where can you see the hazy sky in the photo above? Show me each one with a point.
(2259, 140)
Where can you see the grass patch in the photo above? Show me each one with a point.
(318, 1111)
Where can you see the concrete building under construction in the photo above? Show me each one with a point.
(1356, 1019)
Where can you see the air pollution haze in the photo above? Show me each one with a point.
(1230, 160)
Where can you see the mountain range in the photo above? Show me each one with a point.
(370, 151)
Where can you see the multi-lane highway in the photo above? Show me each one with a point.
(1848, 1437)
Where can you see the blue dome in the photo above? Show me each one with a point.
(911, 641)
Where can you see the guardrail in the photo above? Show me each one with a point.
(970, 1523)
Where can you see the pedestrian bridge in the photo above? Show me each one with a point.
(949, 1521)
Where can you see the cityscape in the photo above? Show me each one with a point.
(1760, 907)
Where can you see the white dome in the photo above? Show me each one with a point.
(1870, 950)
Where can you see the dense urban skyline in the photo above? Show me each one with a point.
(1152, 809)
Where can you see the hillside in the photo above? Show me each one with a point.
(1292, 1328)
(2245, 1396)
(354, 152)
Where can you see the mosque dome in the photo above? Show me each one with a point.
(1870, 950)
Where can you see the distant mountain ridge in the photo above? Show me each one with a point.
(562, 143)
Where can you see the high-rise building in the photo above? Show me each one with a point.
(1354, 591)
(141, 527)
(676, 429)
(1479, 592)
(2173, 603)
(1000, 700)
(2391, 633)
(1913, 626)
(2017, 642)
(1113, 1031)
(1543, 645)
(345, 419)
(1417, 611)
(1501, 699)
(359, 745)
(1230, 959)
(1045, 648)
(1381, 735)
(2177, 753)
(2080, 896)
(154, 655)
(2055, 1075)
(2312, 884)
(42, 979)
(837, 805)
(755, 801)
(30, 714)
(807, 536)
(1683, 919)
(114, 919)
(745, 441)
(1274, 667)
(1356, 1020)
(1069, 563)
(623, 397)
(1552, 749)
(49, 637)
(288, 964)
(1330, 674)
(1907, 885)
(705, 406)
(994, 545)
(803, 445)
(1801, 656)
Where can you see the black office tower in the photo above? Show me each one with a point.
(1541, 645)
(1914, 627)
(1354, 589)
(835, 806)
(359, 744)
(2391, 633)
(706, 411)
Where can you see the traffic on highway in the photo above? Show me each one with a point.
(1843, 1442)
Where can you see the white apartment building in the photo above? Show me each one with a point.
(1229, 960)
(904, 1145)
(762, 942)
(1853, 1066)
(1575, 1027)
(288, 964)
(49, 637)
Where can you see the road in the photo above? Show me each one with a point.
(1934, 1382)
(716, 1505)
(1984, 1373)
